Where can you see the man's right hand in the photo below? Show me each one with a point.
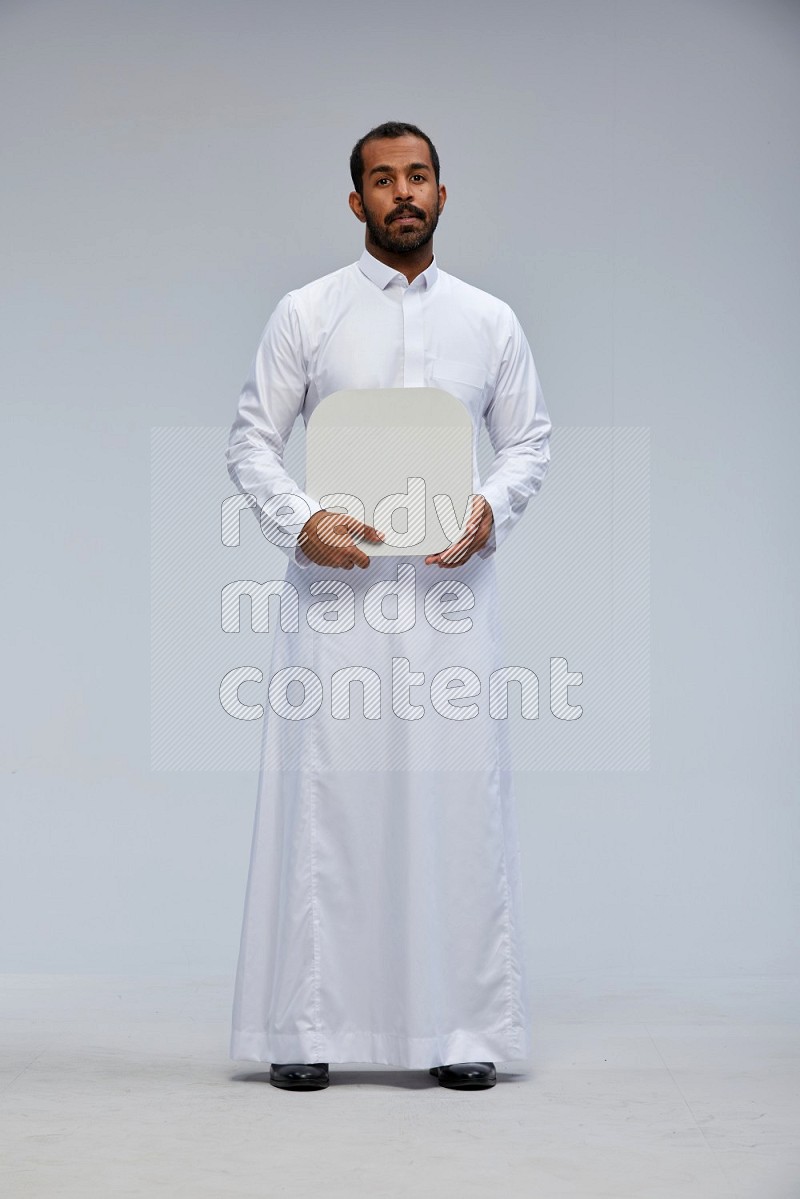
(327, 539)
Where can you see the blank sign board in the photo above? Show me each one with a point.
(398, 458)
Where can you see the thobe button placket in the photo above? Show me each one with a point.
(413, 344)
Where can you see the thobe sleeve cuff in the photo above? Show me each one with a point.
(498, 502)
(299, 557)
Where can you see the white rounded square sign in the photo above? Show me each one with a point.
(398, 458)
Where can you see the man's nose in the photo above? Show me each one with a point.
(402, 191)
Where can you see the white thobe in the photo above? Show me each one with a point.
(383, 911)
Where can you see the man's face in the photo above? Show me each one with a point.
(400, 202)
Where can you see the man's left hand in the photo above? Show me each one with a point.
(476, 533)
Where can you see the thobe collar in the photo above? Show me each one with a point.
(382, 275)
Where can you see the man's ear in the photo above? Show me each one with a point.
(442, 196)
(354, 200)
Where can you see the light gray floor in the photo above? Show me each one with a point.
(638, 1088)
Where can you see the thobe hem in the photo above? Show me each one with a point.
(506, 1043)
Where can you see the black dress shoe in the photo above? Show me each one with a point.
(299, 1076)
(466, 1076)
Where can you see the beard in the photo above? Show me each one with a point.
(397, 240)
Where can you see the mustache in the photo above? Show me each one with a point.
(405, 212)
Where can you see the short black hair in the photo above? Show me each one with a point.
(387, 129)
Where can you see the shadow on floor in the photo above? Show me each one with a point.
(409, 1080)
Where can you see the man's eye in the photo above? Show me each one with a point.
(418, 177)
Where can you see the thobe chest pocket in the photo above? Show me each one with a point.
(466, 380)
(459, 372)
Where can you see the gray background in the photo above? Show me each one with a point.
(625, 175)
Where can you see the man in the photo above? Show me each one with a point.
(383, 915)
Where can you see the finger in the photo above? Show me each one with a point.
(372, 533)
(444, 556)
(345, 522)
(456, 551)
(454, 548)
(359, 529)
(461, 556)
(348, 528)
(331, 558)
